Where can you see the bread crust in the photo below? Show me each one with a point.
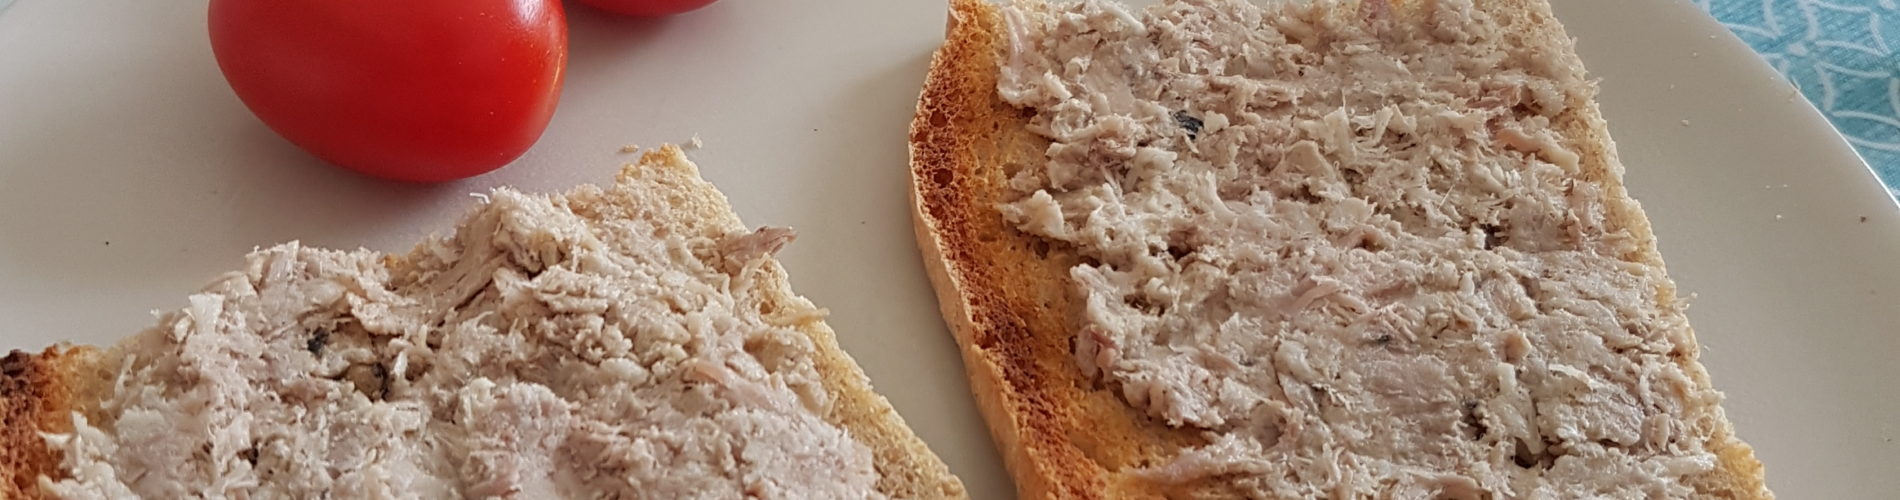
(1006, 295)
(1738, 473)
(906, 467)
(38, 394)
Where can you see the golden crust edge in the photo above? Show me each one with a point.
(965, 32)
(38, 394)
(906, 466)
(968, 48)
(1738, 471)
(986, 378)
(1030, 433)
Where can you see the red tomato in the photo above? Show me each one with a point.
(414, 90)
(648, 8)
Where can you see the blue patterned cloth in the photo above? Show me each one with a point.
(1841, 53)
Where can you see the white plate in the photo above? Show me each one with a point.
(129, 175)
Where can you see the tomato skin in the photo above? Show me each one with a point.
(413, 90)
(647, 8)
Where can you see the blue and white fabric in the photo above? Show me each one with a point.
(1841, 53)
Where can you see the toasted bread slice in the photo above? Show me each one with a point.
(39, 394)
(1012, 300)
(484, 405)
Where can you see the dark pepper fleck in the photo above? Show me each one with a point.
(318, 339)
(1383, 339)
(1189, 122)
(249, 455)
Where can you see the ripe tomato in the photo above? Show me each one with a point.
(648, 8)
(415, 90)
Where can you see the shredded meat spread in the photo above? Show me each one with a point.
(534, 355)
(1353, 250)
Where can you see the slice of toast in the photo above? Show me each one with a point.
(1018, 197)
(629, 342)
